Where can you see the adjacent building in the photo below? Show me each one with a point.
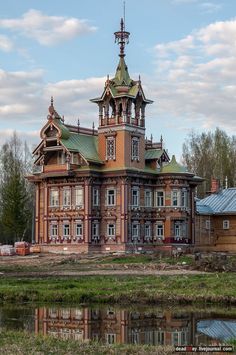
(216, 221)
(110, 189)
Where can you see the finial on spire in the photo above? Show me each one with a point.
(78, 124)
(63, 119)
(51, 108)
(122, 36)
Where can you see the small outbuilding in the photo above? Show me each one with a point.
(215, 224)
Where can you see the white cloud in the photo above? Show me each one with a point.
(47, 30)
(209, 7)
(25, 98)
(196, 78)
(6, 44)
(204, 6)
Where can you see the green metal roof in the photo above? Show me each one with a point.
(153, 154)
(122, 85)
(174, 168)
(122, 75)
(65, 133)
(84, 144)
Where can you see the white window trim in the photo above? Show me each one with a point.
(178, 198)
(182, 230)
(75, 228)
(107, 196)
(63, 230)
(51, 229)
(63, 196)
(79, 188)
(145, 199)
(135, 237)
(163, 230)
(108, 233)
(184, 198)
(226, 224)
(157, 205)
(58, 196)
(149, 235)
(138, 197)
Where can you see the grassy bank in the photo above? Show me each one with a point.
(184, 289)
(25, 343)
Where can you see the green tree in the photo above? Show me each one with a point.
(211, 154)
(15, 193)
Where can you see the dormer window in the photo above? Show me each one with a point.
(110, 148)
(135, 148)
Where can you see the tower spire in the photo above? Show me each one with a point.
(122, 38)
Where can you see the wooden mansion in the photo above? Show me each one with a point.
(110, 189)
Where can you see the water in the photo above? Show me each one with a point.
(137, 325)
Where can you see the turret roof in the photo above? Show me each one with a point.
(174, 168)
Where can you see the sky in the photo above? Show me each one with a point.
(184, 51)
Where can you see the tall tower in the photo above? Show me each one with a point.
(121, 130)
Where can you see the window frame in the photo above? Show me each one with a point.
(135, 148)
(52, 226)
(96, 226)
(66, 231)
(160, 198)
(96, 199)
(184, 198)
(175, 198)
(110, 141)
(146, 191)
(137, 198)
(76, 229)
(226, 224)
(81, 189)
(64, 197)
(137, 228)
(53, 199)
(108, 197)
(147, 227)
(111, 235)
(160, 226)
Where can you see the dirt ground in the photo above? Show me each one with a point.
(82, 265)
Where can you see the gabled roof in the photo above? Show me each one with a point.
(84, 144)
(151, 154)
(222, 202)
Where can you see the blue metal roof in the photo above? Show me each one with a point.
(217, 329)
(219, 203)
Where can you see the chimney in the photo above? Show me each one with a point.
(215, 186)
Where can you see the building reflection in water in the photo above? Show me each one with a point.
(116, 326)
(152, 326)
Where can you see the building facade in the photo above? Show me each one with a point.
(216, 221)
(110, 189)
